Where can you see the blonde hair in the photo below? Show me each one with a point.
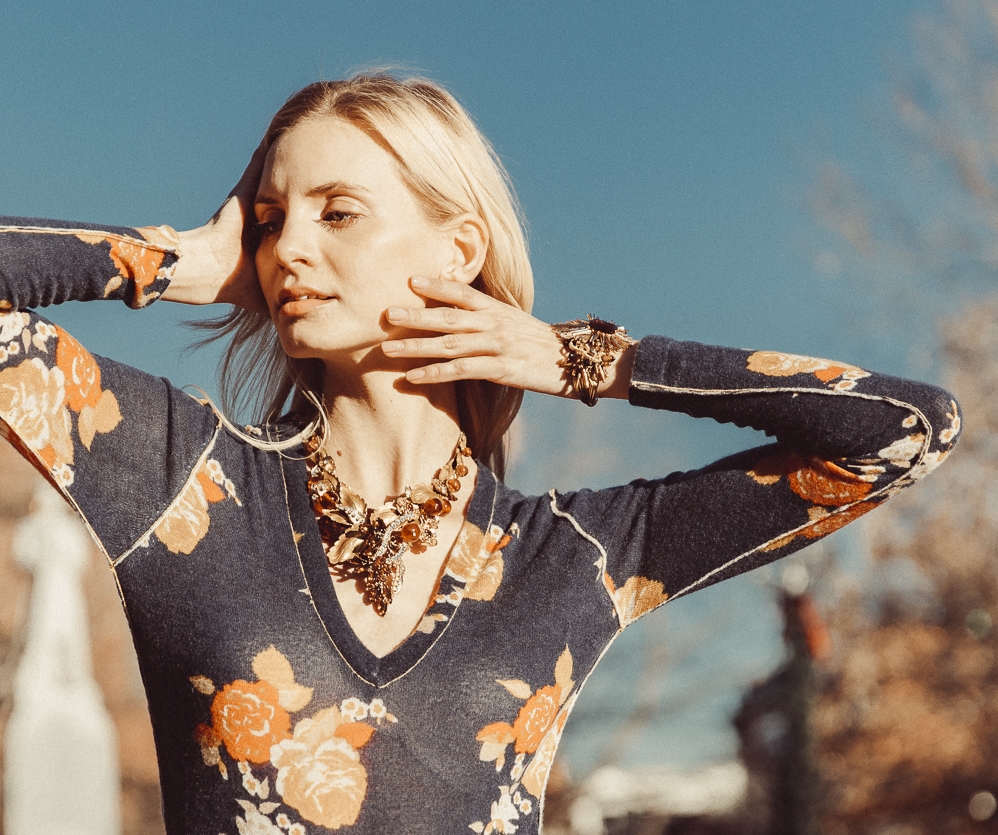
(451, 169)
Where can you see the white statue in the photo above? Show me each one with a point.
(61, 772)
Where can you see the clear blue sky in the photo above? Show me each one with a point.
(661, 151)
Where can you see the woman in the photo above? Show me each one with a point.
(343, 620)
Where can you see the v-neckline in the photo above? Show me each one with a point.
(377, 671)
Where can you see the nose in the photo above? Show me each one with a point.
(295, 244)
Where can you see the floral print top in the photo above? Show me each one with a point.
(269, 714)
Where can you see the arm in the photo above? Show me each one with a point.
(846, 440)
(118, 444)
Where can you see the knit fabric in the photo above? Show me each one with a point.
(270, 716)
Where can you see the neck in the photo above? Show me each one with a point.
(385, 433)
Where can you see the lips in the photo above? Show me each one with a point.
(297, 301)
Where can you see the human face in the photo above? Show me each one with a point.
(341, 236)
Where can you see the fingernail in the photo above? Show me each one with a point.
(419, 281)
(397, 314)
(391, 346)
(415, 374)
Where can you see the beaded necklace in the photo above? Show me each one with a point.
(367, 543)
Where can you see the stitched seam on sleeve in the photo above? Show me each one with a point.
(900, 480)
(144, 540)
(136, 239)
(879, 398)
(601, 563)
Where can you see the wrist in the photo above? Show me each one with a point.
(198, 277)
(592, 349)
(618, 375)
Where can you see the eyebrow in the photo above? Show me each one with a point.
(318, 191)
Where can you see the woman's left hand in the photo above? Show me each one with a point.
(480, 338)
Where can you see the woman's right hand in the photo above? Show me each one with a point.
(216, 263)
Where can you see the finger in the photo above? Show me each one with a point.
(448, 345)
(445, 319)
(453, 292)
(463, 368)
(249, 182)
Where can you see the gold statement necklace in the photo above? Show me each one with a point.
(367, 543)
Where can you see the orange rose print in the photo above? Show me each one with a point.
(320, 775)
(828, 522)
(536, 730)
(823, 482)
(778, 364)
(249, 719)
(817, 481)
(134, 261)
(140, 264)
(80, 369)
(535, 717)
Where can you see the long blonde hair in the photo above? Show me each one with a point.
(451, 169)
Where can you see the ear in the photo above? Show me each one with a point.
(468, 241)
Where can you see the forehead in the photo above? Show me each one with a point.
(323, 149)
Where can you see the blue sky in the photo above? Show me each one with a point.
(661, 150)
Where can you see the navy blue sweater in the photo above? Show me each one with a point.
(270, 716)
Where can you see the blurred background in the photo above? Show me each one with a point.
(793, 175)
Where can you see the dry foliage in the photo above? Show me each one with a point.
(906, 721)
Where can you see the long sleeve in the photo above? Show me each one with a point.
(846, 440)
(118, 443)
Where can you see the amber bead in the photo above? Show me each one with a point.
(453, 484)
(433, 507)
(323, 503)
(329, 530)
(445, 509)
(461, 470)
(411, 532)
(466, 451)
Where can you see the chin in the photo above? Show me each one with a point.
(325, 346)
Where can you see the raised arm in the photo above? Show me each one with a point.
(118, 443)
(846, 440)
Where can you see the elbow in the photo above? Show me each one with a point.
(944, 419)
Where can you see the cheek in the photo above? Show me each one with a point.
(265, 274)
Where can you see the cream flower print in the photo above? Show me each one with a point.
(186, 522)
(12, 324)
(903, 450)
(319, 773)
(948, 435)
(636, 597)
(8, 351)
(32, 398)
(315, 769)
(502, 814)
(254, 821)
(778, 364)
(477, 560)
(353, 709)
(253, 786)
